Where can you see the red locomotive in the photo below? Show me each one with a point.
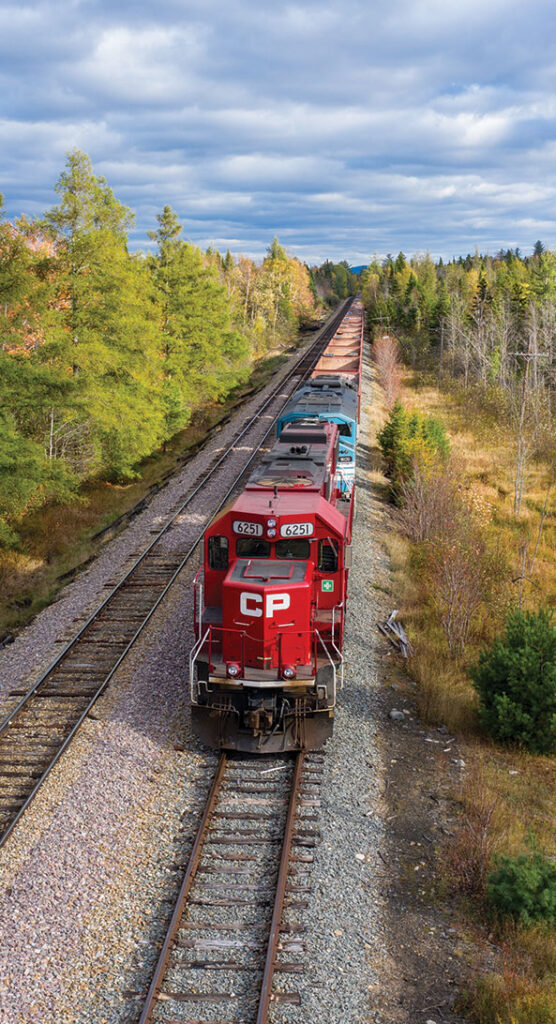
(270, 601)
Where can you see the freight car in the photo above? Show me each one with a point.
(270, 599)
(342, 356)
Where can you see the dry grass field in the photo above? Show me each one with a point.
(507, 795)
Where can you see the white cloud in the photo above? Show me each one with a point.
(143, 65)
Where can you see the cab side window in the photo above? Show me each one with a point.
(328, 557)
(218, 553)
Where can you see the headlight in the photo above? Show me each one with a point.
(288, 672)
(271, 522)
(271, 533)
(345, 458)
(232, 669)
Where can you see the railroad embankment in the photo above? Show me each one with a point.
(488, 799)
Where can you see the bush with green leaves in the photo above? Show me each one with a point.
(524, 888)
(516, 682)
(408, 438)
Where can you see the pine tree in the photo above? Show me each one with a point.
(203, 357)
(516, 682)
(103, 329)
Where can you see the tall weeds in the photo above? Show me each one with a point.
(468, 858)
(460, 566)
(387, 360)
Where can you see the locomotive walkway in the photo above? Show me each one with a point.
(42, 721)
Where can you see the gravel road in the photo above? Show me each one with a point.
(89, 877)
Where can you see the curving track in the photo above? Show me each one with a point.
(234, 940)
(41, 724)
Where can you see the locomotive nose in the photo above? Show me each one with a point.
(267, 605)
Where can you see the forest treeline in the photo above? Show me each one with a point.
(105, 353)
(488, 323)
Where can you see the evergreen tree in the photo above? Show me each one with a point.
(516, 682)
(203, 357)
(103, 329)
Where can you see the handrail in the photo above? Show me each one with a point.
(197, 604)
(193, 655)
(327, 652)
(333, 644)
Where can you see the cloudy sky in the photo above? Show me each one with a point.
(344, 129)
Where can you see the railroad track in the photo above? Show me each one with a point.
(43, 720)
(235, 941)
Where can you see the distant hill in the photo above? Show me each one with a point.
(357, 270)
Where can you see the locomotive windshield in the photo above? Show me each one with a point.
(251, 547)
(294, 547)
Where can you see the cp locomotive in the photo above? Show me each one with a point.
(270, 599)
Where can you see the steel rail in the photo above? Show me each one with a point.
(4, 725)
(283, 871)
(188, 878)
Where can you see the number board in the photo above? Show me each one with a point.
(247, 529)
(296, 530)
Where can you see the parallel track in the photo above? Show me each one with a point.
(234, 939)
(38, 729)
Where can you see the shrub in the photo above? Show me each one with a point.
(510, 998)
(463, 571)
(524, 888)
(431, 503)
(516, 682)
(469, 854)
(408, 439)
